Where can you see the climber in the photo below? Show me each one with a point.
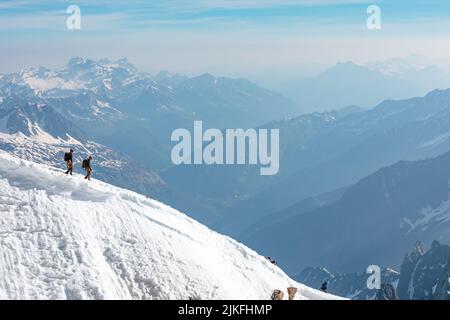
(86, 165)
(324, 287)
(68, 158)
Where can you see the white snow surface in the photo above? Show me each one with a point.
(62, 237)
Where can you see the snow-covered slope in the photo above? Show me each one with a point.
(37, 132)
(63, 237)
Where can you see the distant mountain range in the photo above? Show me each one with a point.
(374, 222)
(424, 275)
(319, 153)
(124, 117)
(364, 85)
(341, 198)
(135, 112)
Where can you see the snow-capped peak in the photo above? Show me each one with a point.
(77, 61)
(78, 74)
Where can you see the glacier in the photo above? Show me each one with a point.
(62, 237)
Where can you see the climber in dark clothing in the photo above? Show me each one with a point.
(324, 287)
(68, 158)
(87, 167)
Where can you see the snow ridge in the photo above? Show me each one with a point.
(62, 237)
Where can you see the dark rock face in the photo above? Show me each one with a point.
(386, 292)
(442, 291)
(409, 262)
(425, 274)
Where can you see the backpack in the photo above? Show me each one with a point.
(67, 156)
(84, 165)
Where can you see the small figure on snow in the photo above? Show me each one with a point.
(86, 165)
(68, 158)
(324, 287)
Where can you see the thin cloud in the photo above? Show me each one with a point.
(14, 4)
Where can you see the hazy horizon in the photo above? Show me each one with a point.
(270, 77)
(255, 39)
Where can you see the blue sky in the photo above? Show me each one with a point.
(222, 35)
(218, 14)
